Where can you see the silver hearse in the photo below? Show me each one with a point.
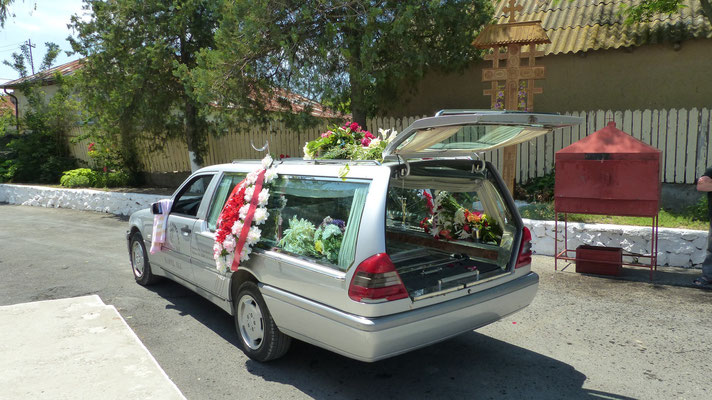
(395, 279)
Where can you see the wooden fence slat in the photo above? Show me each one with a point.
(670, 145)
(627, 122)
(706, 134)
(655, 129)
(636, 128)
(618, 119)
(680, 145)
(646, 119)
(600, 119)
(693, 117)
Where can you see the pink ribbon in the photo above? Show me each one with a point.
(248, 220)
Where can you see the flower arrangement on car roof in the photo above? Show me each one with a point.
(450, 221)
(245, 209)
(349, 142)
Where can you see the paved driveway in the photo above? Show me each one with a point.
(583, 337)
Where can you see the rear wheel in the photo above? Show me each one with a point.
(260, 338)
(139, 262)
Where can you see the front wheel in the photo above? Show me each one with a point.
(139, 262)
(260, 338)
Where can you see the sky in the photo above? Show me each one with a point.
(40, 21)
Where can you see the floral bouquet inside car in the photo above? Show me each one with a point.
(349, 142)
(450, 221)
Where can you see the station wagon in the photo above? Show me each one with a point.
(393, 277)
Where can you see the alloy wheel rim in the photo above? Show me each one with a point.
(250, 322)
(137, 255)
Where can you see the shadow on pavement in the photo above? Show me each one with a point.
(186, 302)
(469, 366)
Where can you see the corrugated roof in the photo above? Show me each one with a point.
(516, 32)
(583, 25)
(47, 76)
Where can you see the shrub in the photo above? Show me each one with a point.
(85, 177)
(81, 177)
(698, 211)
(540, 189)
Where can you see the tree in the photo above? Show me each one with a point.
(40, 153)
(129, 82)
(645, 9)
(355, 55)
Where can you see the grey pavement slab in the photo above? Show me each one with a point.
(75, 348)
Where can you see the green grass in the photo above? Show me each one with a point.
(690, 219)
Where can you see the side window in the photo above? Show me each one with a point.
(317, 218)
(227, 183)
(188, 200)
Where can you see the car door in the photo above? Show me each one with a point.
(206, 275)
(180, 225)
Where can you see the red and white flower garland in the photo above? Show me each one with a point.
(245, 209)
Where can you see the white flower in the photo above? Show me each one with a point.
(267, 161)
(245, 253)
(460, 216)
(383, 133)
(243, 211)
(237, 228)
(253, 236)
(463, 234)
(263, 197)
(217, 250)
(260, 216)
(229, 243)
(306, 152)
(270, 175)
(374, 143)
(251, 178)
(248, 194)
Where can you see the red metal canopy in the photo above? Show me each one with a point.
(610, 173)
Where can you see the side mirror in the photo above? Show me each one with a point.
(156, 208)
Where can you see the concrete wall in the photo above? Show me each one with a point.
(647, 77)
(677, 247)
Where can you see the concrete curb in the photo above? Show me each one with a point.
(676, 247)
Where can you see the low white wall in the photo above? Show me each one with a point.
(676, 247)
(77, 199)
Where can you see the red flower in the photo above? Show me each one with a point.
(354, 127)
(365, 142)
(368, 135)
(445, 234)
(466, 228)
(91, 146)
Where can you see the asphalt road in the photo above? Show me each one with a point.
(582, 337)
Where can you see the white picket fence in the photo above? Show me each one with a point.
(682, 135)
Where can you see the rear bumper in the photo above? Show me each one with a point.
(372, 339)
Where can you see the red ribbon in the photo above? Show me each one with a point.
(248, 220)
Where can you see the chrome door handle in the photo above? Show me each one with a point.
(185, 231)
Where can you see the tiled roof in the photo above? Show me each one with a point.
(583, 25)
(47, 76)
(516, 32)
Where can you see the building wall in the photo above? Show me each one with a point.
(49, 91)
(646, 77)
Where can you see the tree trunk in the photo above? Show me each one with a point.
(358, 100)
(192, 136)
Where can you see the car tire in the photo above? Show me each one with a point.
(260, 338)
(139, 261)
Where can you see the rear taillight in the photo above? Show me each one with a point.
(525, 250)
(376, 279)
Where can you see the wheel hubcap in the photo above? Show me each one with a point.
(249, 320)
(137, 258)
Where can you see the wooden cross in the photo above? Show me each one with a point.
(511, 9)
(512, 73)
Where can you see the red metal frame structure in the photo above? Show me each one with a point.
(608, 173)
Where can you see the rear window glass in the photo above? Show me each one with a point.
(315, 218)
(467, 137)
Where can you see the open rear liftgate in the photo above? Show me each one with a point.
(608, 173)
